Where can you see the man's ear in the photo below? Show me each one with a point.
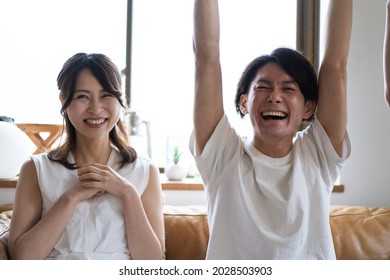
(310, 107)
(243, 104)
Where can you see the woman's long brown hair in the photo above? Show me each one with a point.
(106, 72)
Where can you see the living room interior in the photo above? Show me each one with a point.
(364, 179)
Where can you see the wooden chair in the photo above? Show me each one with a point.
(34, 131)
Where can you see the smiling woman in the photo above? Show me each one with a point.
(92, 187)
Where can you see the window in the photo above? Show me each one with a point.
(38, 36)
(163, 65)
(36, 39)
(323, 13)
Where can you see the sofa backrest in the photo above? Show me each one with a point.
(186, 232)
(360, 232)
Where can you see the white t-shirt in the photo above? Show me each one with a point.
(96, 229)
(269, 208)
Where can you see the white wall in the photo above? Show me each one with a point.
(7, 196)
(185, 198)
(366, 174)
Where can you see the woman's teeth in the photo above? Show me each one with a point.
(95, 121)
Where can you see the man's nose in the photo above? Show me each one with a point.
(275, 96)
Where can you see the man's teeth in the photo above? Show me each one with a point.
(95, 121)
(274, 114)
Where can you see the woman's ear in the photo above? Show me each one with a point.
(310, 107)
(61, 99)
(243, 104)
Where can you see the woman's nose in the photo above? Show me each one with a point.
(95, 107)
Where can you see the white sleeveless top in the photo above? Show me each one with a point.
(97, 228)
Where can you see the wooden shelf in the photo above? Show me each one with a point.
(185, 185)
(338, 189)
(8, 183)
(188, 184)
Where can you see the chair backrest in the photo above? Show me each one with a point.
(35, 133)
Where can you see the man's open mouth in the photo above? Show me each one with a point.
(273, 115)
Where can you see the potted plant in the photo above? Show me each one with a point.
(175, 171)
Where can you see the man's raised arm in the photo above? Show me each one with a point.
(208, 104)
(332, 108)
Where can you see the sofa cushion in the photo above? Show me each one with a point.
(361, 232)
(5, 221)
(186, 232)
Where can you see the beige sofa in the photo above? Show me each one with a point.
(358, 232)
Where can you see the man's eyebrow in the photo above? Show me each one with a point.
(266, 81)
(289, 82)
(262, 80)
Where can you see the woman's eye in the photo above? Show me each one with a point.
(80, 96)
(108, 95)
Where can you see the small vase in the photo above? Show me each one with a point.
(175, 172)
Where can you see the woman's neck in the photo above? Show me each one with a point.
(91, 152)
